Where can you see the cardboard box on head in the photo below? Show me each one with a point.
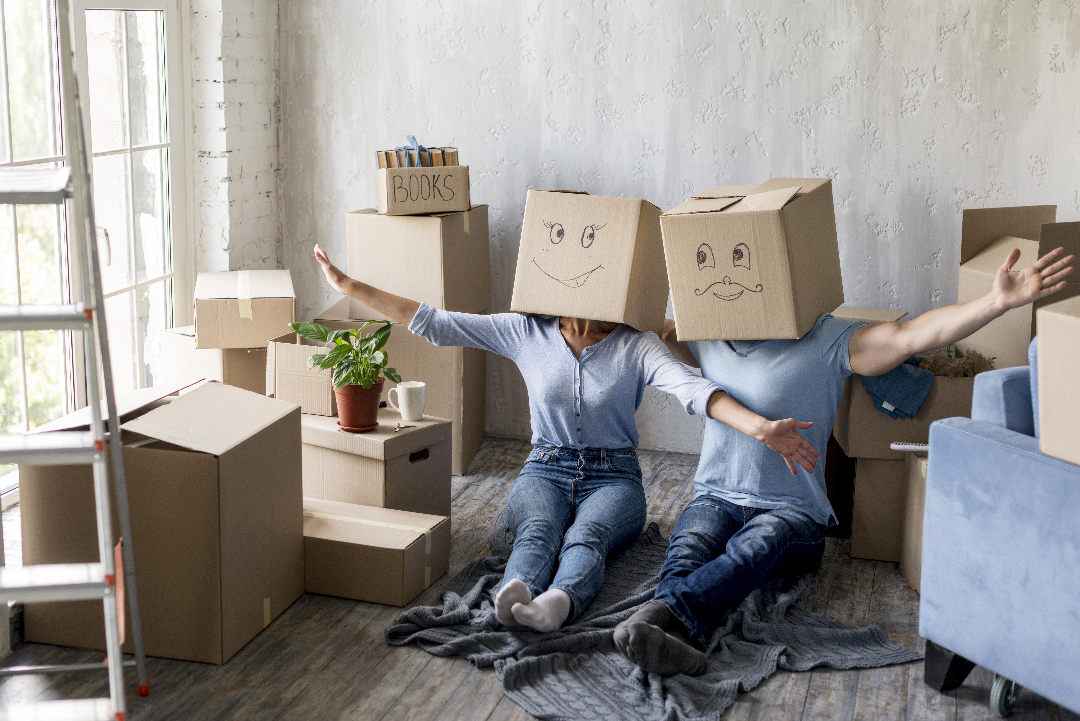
(753, 262)
(588, 256)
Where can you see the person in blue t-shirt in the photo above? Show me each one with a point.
(752, 518)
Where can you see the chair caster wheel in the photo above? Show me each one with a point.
(1003, 695)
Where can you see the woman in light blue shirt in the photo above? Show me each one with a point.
(579, 496)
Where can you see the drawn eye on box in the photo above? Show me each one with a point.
(589, 235)
(726, 288)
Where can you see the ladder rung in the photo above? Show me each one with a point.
(43, 317)
(52, 582)
(83, 709)
(32, 186)
(59, 668)
(62, 448)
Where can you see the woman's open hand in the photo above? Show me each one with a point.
(784, 438)
(333, 275)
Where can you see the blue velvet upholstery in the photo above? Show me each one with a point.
(1033, 364)
(1003, 398)
(1001, 546)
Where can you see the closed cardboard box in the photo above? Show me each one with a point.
(1059, 380)
(587, 256)
(181, 360)
(243, 308)
(865, 432)
(453, 376)
(877, 517)
(753, 262)
(406, 469)
(914, 507)
(370, 554)
(988, 236)
(421, 191)
(441, 260)
(214, 487)
(288, 378)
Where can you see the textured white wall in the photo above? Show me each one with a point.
(915, 110)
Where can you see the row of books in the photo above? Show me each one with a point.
(412, 158)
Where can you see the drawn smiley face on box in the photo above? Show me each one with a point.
(727, 276)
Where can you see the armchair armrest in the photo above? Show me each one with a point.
(1003, 398)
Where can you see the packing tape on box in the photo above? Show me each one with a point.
(243, 293)
(383, 524)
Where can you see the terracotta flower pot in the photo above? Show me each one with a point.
(358, 407)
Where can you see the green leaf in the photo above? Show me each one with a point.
(391, 374)
(378, 357)
(313, 331)
(337, 335)
(315, 360)
(382, 335)
(366, 383)
(338, 354)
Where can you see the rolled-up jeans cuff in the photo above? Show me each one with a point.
(690, 624)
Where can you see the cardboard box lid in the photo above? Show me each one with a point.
(338, 311)
(366, 525)
(769, 196)
(872, 316)
(245, 284)
(127, 402)
(383, 443)
(990, 258)
(211, 419)
(983, 226)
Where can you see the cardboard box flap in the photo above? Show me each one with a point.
(982, 226)
(702, 205)
(769, 200)
(990, 258)
(245, 284)
(383, 443)
(728, 191)
(338, 311)
(127, 402)
(211, 419)
(873, 316)
(366, 525)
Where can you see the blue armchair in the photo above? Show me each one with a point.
(1001, 549)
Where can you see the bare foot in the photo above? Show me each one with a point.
(334, 276)
(545, 613)
(512, 592)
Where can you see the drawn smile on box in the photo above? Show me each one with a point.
(729, 289)
(588, 237)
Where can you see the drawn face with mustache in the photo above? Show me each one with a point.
(587, 236)
(726, 288)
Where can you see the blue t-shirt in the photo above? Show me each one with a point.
(801, 379)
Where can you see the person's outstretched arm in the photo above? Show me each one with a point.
(394, 307)
(878, 349)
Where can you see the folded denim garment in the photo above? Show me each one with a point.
(901, 391)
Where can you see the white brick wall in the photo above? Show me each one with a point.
(235, 114)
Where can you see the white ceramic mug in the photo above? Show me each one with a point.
(410, 398)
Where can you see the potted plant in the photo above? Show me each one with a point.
(359, 370)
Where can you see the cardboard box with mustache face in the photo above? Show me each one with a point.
(587, 256)
(753, 262)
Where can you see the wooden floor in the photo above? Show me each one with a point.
(324, 658)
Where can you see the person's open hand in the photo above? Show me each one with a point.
(1017, 288)
(333, 275)
(784, 438)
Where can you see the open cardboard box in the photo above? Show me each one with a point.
(243, 308)
(214, 488)
(442, 260)
(588, 256)
(288, 378)
(1059, 387)
(182, 361)
(753, 262)
(422, 190)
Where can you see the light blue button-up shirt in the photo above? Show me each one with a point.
(586, 402)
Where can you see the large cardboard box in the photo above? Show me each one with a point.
(181, 360)
(988, 236)
(288, 378)
(442, 260)
(914, 508)
(865, 432)
(1059, 380)
(372, 554)
(877, 518)
(1060, 235)
(753, 262)
(406, 469)
(587, 256)
(242, 308)
(214, 487)
(420, 191)
(454, 379)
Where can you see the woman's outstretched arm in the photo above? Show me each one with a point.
(394, 307)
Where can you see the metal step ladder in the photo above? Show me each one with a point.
(70, 186)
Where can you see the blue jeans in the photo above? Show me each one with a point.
(568, 510)
(720, 552)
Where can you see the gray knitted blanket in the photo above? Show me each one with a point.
(576, 673)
